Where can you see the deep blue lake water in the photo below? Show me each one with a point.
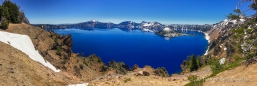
(136, 47)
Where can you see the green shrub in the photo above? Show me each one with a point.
(59, 50)
(86, 63)
(99, 60)
(4, 13)
(126, 80)
(215, 66)
(194, 81)
(4, 24)
(217, 49)
(239, 30)
(232, 16)
(103, 68)
(192, 78)
(161, 72)
(249, 56)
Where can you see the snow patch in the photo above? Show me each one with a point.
(245, 36)
(206, 52)
(249, 27)
(24, 44)
(225, 48)
(93, 20)
(222, 61)
(234, 21)
(167, 29)
(207, 37)
(242, 20)
(147, 30)
(147, 24)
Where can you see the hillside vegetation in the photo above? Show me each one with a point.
(233, 43)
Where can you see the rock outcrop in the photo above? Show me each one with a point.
(23, 18)
(161, 72)
(119, 67)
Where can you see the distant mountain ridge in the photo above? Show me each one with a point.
(144, 26)
(153, 26)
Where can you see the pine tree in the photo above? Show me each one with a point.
(13, 11)
(193, 63)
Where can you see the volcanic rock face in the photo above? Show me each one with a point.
(120, 67)
(23, 18)
(184, 66)
(161, 72)
(67, 40)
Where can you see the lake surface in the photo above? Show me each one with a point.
(136, 47)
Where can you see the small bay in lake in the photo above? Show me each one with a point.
(137, 47)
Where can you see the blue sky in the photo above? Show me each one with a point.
(163, 11)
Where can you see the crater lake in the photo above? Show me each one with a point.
(137, 47)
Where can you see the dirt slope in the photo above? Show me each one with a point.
(132, 79)
(47, 43)
(240, 76)
(15, 65)
(18, 69)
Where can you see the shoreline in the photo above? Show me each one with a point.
(207, 37)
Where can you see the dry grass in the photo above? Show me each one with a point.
(152, 80)
(240, 76)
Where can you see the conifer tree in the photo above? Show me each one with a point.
(13, 11)
(193, 63)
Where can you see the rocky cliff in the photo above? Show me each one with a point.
(23, 18)
(58, 51)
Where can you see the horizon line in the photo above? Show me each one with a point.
(125, 21)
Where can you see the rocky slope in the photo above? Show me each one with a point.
(57, 50)
(18, 69)
(232, 53)
(240, 76)
(139, 78)
(235, 42)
